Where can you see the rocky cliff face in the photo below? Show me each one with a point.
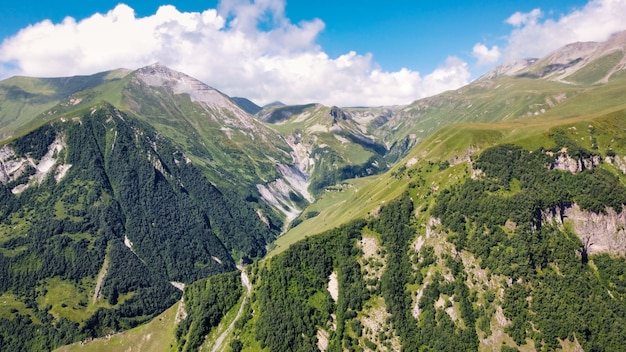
(566, 162)
(599, 233)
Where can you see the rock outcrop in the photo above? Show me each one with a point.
(599, 233)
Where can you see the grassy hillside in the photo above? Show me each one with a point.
(455, 145)
(157, 336)
(24, 98)
(505, 98)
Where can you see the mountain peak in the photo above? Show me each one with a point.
(159, 75)
(563, 63)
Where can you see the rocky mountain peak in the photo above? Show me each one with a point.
(338, 115)
(159, 75)
(567, 60)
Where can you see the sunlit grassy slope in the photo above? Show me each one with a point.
(23, 100)
(454, 144)
(155, 336)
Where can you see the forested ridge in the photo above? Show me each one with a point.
(130, 208)
(558, 292)
(550, 291)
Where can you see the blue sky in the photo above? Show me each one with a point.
(334, 52)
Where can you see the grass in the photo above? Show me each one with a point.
(72, 301)
(598, 69)
(155, 336)
(9, 303)
(29, 102)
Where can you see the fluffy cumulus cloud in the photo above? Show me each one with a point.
(520, 18)
(244, 48)
(534, 36)
(486, 56)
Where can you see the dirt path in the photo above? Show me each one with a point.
(220, 340)
(101, 275)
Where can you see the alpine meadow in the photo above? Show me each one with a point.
(144, 210)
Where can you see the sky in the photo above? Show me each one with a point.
(345, 53)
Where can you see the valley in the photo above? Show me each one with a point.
(486, 218)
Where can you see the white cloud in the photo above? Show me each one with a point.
(596, 21)
(485, 55)
(224, 48)
(520, 18)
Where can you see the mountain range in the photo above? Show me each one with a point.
(490, 217)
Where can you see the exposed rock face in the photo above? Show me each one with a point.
(213, 101)
(337, 114)
(566, 162)
(619, 162)
(279, 193)
(13, 166)
(600, 233)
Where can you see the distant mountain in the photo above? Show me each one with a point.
(247, 105)
(577, 63)
(275, 103)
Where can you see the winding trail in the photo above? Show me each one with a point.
(245, 281)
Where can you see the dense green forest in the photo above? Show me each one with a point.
(206, 303)
(294, 302)
(131, 211)
(557, 291)
(553, 290)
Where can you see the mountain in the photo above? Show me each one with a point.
(476, 219)
(247, 105)
(577, 63)
(23, 98)
(105, 207)
(501, 229)
(330, 145)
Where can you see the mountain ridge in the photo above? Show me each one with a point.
(437, 212)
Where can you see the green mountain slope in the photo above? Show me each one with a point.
(107, 208)
(485, 251)
(486, 236)
(23, 98)
(234, 150)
